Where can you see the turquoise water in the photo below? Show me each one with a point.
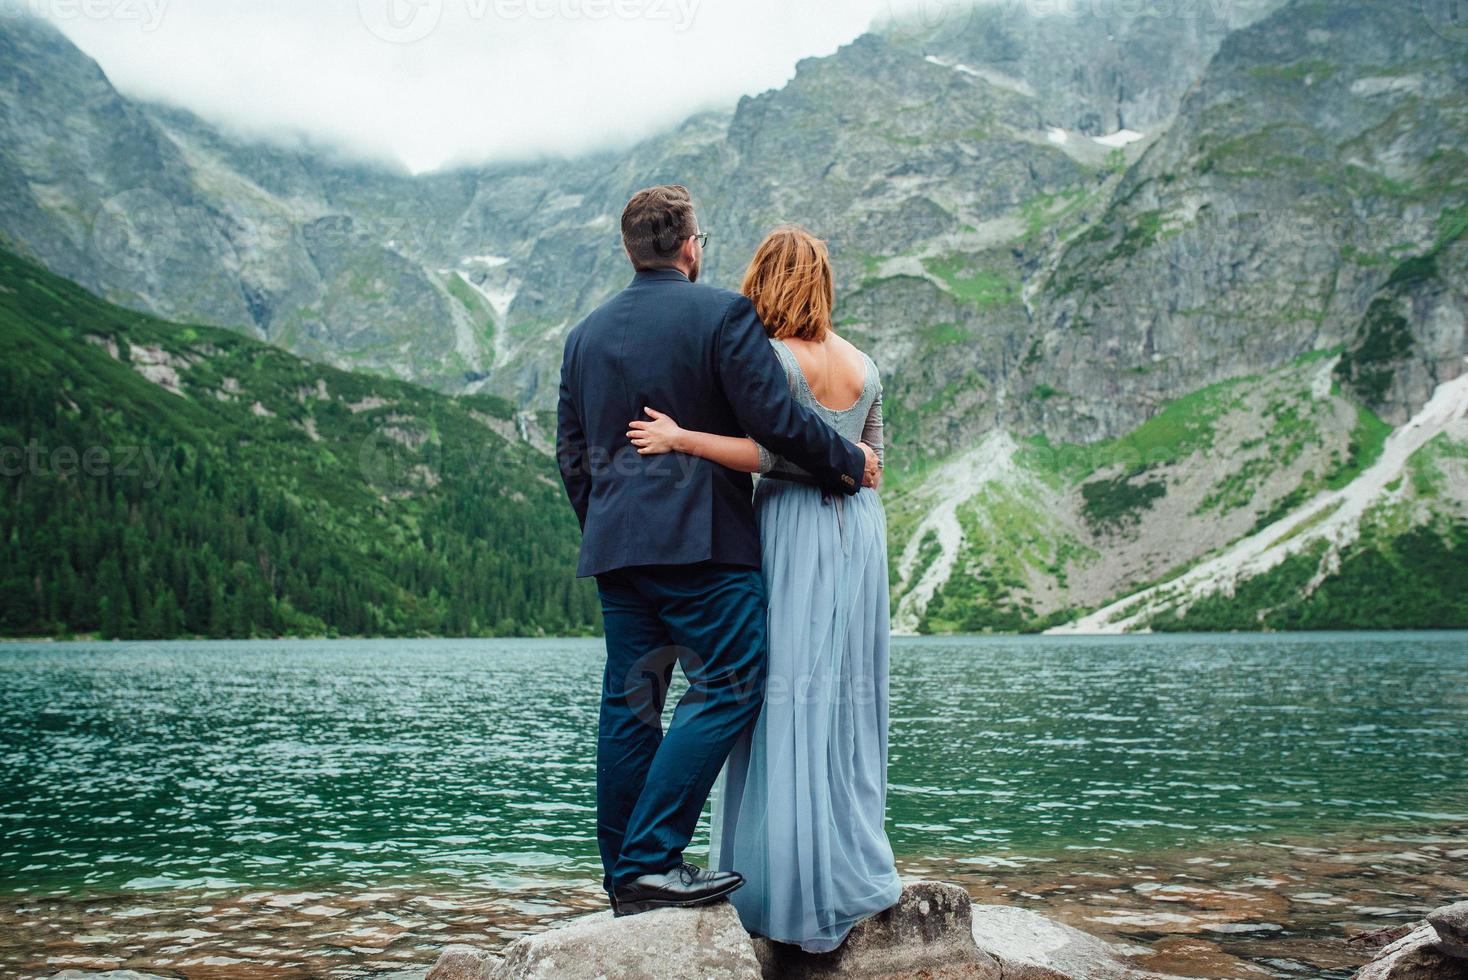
(225, 765)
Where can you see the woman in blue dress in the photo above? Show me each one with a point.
(800, 804)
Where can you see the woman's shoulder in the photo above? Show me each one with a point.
(874, 373)
(793, 372)
(783, 351)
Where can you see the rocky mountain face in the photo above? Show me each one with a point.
(906, 142)
(1246, 236)
(154, 210)
(1143, 280)
(1221, 355)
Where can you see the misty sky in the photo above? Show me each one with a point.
(431, 82)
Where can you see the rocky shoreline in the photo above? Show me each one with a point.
(933, 932)
(1316, 907)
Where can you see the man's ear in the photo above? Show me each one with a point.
(688, 254)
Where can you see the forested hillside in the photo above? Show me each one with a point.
(162, 480)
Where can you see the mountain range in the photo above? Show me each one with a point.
(1169, 301)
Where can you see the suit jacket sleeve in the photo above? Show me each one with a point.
(571, 457)
(757, 389)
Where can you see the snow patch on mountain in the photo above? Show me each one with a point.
(1120, 138)
(992, 460)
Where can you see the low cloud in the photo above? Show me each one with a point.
(435, 82)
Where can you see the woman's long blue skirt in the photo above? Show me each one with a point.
(800, 804)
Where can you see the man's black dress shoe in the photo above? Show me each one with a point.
(684, 886)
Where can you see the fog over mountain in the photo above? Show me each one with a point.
(433, 83)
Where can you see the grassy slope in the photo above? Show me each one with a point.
(1408, 569)
(1238, 454)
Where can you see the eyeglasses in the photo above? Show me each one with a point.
(703, 239)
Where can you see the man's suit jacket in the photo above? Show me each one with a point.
(700, 354)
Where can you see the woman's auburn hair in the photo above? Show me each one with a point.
(789, 280)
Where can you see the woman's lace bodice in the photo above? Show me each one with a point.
(862, 422)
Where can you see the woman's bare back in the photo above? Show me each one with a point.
(834, 369)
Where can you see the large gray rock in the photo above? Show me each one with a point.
(1029, 946)
(1415, 956)
(706, 943)
(1451, 923)
(108, 975)
(463, 963)
(933, 931)
(926, 933)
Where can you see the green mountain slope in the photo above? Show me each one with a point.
(159, 480)
(1219, 339)
(1265, 502)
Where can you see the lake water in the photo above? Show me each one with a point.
(346, 807)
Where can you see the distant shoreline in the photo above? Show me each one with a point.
(93, 638)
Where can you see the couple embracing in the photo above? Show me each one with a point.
(772, 599)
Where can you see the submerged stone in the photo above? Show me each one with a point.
(1029, 946)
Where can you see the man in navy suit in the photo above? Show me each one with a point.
(672, 539)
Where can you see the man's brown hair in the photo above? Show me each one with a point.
(655, 223)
